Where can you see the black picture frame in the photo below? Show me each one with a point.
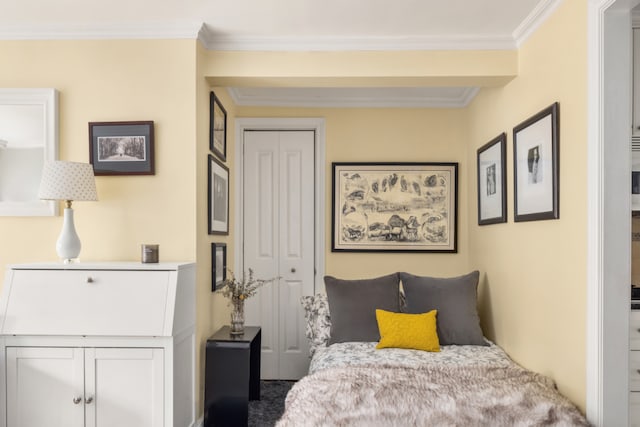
(218, 197)
(536, 166)
(122, 148)
(394, 207)
(217, 127)
(218, 265)
(492, 181)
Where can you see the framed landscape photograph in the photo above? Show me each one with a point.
(121, 148)
(536, 166)
(218, 190)
(217, 127)
(492, 181)
(218, 265)
(394, 207)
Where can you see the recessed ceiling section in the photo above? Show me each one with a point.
(345, 97)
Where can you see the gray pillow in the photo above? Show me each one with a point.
(454, 298)
(353, 305)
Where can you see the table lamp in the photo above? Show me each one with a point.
(68, 181)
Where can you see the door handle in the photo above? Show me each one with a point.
(77, 400)
(293, 270)
(88, 400)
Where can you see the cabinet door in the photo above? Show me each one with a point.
(634, 410)
(124, 387)
(45, 387)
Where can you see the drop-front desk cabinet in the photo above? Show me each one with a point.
(98, 345)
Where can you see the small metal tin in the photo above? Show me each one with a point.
(150, 253)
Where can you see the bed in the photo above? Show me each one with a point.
(351, 382)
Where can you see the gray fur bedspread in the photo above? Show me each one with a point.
(374, 395)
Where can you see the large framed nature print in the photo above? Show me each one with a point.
(217, 127)
(395, 207)
(121, 148)
(536, 165)
(492, 181)
(218, 197)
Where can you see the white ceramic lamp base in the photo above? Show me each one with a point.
(68, 244)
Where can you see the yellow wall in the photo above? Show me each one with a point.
(533, 293)
(113, 81)
(384, 134)
(116, 81)
(533, 285)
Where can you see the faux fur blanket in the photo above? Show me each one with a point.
(427, 396)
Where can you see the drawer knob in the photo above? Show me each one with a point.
(77, 400)
(89, 279)
(88, 400)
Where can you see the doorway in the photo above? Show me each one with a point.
(280, 232)
(609, 221)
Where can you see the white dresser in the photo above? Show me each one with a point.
(98, 345)
(634, 369)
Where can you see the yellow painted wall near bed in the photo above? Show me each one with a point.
(390, 134)
(533, 288)
(533, 293)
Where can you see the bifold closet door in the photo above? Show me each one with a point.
(279, 242)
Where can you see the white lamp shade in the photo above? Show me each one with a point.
(67, 181)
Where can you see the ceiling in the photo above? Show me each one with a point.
(294, 25)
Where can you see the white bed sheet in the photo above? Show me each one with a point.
(365, 353)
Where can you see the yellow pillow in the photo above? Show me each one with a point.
(401, 330)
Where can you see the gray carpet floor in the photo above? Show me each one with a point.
(266, 411)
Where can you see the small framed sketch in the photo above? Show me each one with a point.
(395, 207)
(217, 127)
(218, 197)
(536, 165)
(121, 148)
(218, 265)
(492, 181)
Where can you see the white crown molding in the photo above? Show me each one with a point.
(212, 41)
(364, 100)
(531, 23)
(101, 32)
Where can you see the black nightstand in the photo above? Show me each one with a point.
(232, 377)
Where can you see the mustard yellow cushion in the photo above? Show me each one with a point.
(414, 331)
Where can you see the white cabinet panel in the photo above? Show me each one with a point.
(634, 410)
(42, 384)
(91, 302)
(98, 345)
(126, 387)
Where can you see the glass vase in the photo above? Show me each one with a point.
(237, 317)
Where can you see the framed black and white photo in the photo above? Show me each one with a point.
(218, 265)
(492, 181)
(121, 148)
(395, 207)
(217, 127)
(536, 165)
(218, 197)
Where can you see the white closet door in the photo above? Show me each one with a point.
(45, 387)
(279, 241)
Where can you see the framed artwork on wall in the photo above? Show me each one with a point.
(394, 207)
(217, 127)
(122, 148)
(218, 265)
(492, 181)
(218, 191)
(536, 166)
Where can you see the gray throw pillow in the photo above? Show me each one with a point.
(353, 305)
(455, 299)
